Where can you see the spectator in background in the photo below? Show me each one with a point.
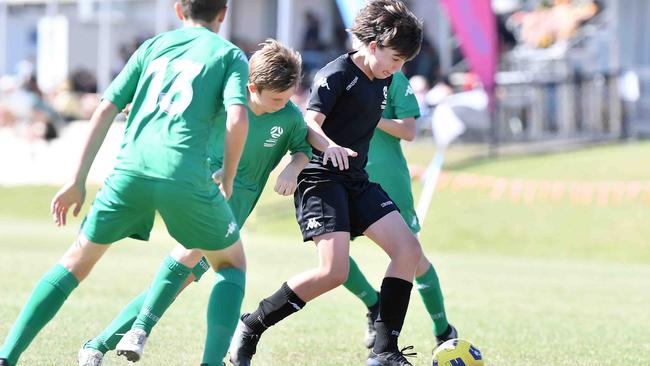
(425, 63)
(24, 110)
(551, 23)
(312, 46)
(43, 119)
(67, 102)
(83, 81)
(76, 98)
(311, 40)
(7, 118)
(8, 85)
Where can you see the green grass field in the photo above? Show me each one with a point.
(530, 284)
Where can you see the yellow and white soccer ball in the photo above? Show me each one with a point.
(457, 352)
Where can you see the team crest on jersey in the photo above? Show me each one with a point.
(322, 83)
(276, 132)
(383, 103)
(409, 91)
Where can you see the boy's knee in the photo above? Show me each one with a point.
(410, 252)
(335, 277)
(187, 257)
(81, 257)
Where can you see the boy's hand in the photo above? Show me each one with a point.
(127, 109)
(69, 195)
(287, 181)
(226, 188)
(338, 155)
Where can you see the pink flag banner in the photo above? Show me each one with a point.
(475, 25)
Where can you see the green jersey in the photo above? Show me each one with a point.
(178, 82)
(270, 136)
(386, 163)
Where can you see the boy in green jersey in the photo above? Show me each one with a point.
(276, 127)
(162, 167)
(398, 123)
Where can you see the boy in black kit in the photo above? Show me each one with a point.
(334, 200)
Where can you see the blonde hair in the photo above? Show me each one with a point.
(275, 67)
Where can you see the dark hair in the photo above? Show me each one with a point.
(275, 67)
(391, 24)
(205, 10)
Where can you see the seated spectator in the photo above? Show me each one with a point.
(67, 102)
(546, 25)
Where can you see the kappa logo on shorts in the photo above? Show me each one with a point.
(276, 132)
(387, 203)
(231, 228)
(322, 83)
(313, 224)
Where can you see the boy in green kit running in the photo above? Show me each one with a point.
(398, 123)
(276, 127)
(178, 83)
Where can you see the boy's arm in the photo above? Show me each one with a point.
(338, 155)
(236, 132)
(288, 178)
(74, 192)
(401, 128)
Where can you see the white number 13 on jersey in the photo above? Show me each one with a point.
(177, 96)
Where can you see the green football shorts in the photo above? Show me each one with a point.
(241, 203)
(126, 205)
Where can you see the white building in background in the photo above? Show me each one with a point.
(88, 34)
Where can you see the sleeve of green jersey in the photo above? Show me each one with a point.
(234, 91)
(401, 96)
(298, 142)
(122, 89)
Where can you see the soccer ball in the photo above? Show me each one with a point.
(457, 352)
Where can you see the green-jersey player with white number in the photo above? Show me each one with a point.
(178, 83)
(276, 127)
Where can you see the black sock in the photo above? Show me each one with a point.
(393, 303)
(274, 308)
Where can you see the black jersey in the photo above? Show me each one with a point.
(352, 104)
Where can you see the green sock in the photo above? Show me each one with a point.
(45, 301)
(429, 288)
(108, 339)
(359, 285)
(163, 291)
(223, 313)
